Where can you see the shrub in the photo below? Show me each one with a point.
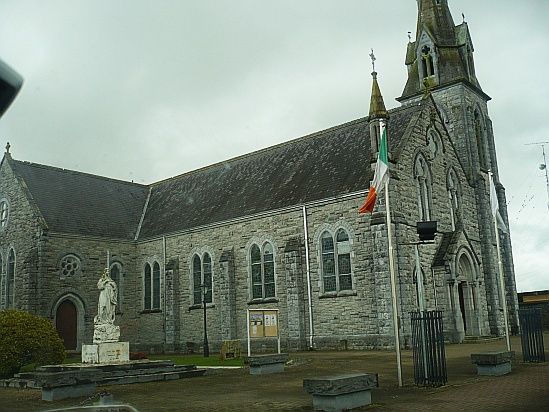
(27, 339)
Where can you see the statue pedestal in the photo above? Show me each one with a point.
(106, 332)
(106, 352)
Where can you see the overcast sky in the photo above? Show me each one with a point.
(146, 90)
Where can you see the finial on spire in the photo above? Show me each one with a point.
(373, 57)
(409, 37)
(463, 16)
(8, 148)
(377, 106)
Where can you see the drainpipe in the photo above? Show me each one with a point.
(164, 300)
(309, 294)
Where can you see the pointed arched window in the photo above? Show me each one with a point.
(481, 146)
(336, 261)
(452, 185)
(263, 275)
(116, 275)
(151, 289)
(10, 280)
(427, 63)
(156, 286)
(423, 185)
(202, 275)
(4, 213)
(147, 287)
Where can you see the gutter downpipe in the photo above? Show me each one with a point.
(164, 303)
(308, 268)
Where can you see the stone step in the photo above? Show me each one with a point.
(131, 365)
(144, 371)
(153, 377)
(108, 374)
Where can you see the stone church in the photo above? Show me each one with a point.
(279, 228)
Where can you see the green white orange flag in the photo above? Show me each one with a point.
(381, 174)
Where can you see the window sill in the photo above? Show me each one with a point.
(340, 294)
(151, 311)
(260, 301)
(201, 306)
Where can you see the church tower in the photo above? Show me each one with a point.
(440, 62)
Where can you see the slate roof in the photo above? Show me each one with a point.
(83, 204)
(323, 165)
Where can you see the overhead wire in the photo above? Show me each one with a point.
(527, 217)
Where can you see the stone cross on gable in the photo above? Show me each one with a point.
(8, 148)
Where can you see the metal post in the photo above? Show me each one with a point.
(248, 330)
(502, 287)
(422, 320)
(495, 213)
(393, 286)
(309, 293)
(544, 167)
(419, 276)
(204, 288)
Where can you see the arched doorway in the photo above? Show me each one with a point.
(462, 305)
(66, 323)
(467, 294)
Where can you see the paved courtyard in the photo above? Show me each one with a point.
(526, 388)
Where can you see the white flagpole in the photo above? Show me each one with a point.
(501, 279)
(393, 285)
(502, 287)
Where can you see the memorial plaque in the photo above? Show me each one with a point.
(112, 352)
(90, 354)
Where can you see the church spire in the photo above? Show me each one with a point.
(441, 54)
(435, 16)
(378, 112)
(377, 106)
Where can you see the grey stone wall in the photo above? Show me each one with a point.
(357, 318)
(22, 233)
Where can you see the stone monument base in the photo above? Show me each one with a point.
(106, 352)
(105, 332)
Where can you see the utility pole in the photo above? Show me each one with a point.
(543, 166)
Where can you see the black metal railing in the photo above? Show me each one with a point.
(531, 335)
(428, 345)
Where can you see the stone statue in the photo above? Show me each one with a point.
(106, 308)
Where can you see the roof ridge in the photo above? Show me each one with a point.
(76, 172)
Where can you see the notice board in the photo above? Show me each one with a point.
(263, 323)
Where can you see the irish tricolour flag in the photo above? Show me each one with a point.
(381, 174)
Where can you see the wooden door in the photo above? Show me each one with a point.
(66, 324)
